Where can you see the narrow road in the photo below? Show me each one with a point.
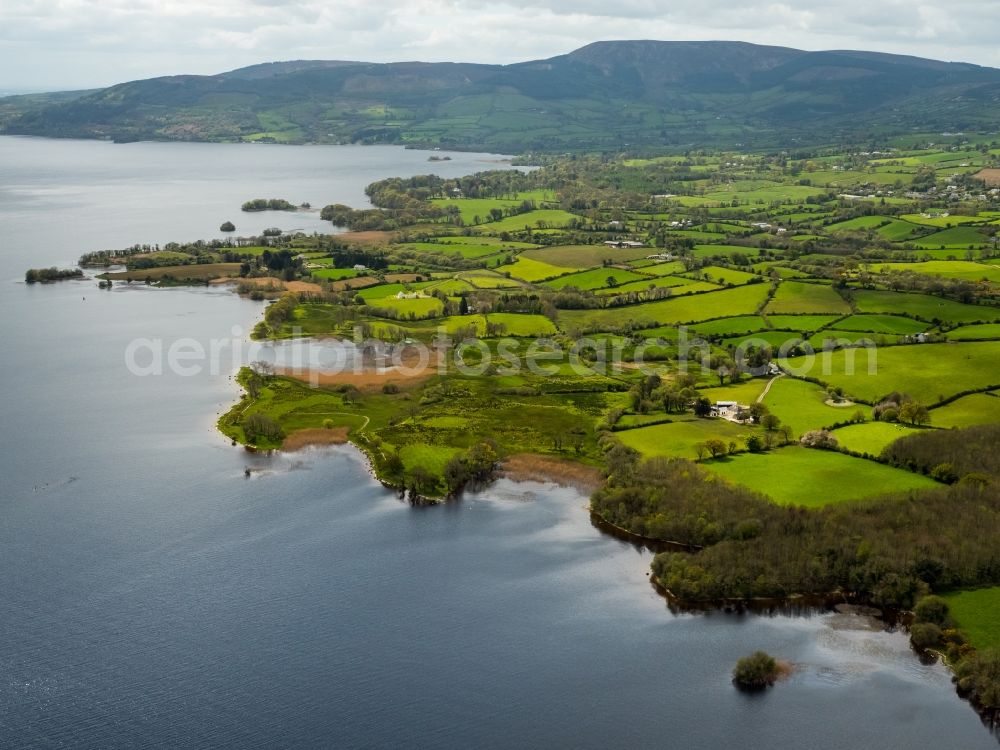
(768, 386)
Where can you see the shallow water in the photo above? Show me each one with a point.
(151, 595)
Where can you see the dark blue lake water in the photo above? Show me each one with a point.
(151, 596)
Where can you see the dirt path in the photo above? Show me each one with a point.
(767, 387)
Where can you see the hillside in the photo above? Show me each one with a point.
(603, 96)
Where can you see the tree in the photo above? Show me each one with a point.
(754, 444)
(755, 672)
(227, 226)
(702, 407)
(770, 422)
(422, 481)
(463, 306)
(914, 413)
(715, 446)
(758, 410)
(394, 464)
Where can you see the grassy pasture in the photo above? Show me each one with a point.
(775, 339)
(725, 276)
(664, 269)
(800, 322)
(727, 326)
(880, 324)
(814, 478)
(966, 333)
(523, 325)
(476, 210)
(923, 306)
(974, 409)
(425, 307)
(800, 297)
(465, 250)
(487, 280)
(596, 278)
(977, 614)
(679, 285)
(711, 251)
(801, 405)
(941, 222)
(948, 269)
(783, 272)
(871, 437)
(334, 274)
(531, 270)
(956, 237)
(581, 257)
(741, 300)
(743, 393)
(680, 438)
(928, 372)
(546, 217)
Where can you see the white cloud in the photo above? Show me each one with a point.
(49, 43)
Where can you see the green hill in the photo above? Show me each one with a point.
(640, 94)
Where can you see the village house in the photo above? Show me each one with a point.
(627, 244)
(732, 411)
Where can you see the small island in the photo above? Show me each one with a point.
(45, 275)
(268, 204)
(757, 671)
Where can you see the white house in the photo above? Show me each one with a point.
(730, 410)
(360, 267)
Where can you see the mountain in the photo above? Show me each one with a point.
(607, 95)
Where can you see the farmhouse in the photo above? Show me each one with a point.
(730, 410)
(628, 244)
(409, 295)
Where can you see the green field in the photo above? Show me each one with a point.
(880, 324)
(800, 322)
(540, 219)
(523, 325)
(977, 614)
(724, 276)
(581, 257)
(423, 307)
(729, 251)
(681, 437)
(927, 372)
(923, 306)
(596, 278)
(957, 237)
(466, 250)
(814, 478)
(800, 297)
(950, 269)
(678, 284)
(871, 437)
(801, 405)
(528, 269)
(728, 326)
(334, 274)
(742, 300)
(966, 333)
(976, 408)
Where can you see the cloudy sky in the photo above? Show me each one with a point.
(46, 44)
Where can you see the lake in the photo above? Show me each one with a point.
(151, 595)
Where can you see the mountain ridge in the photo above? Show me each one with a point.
(605, 95)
